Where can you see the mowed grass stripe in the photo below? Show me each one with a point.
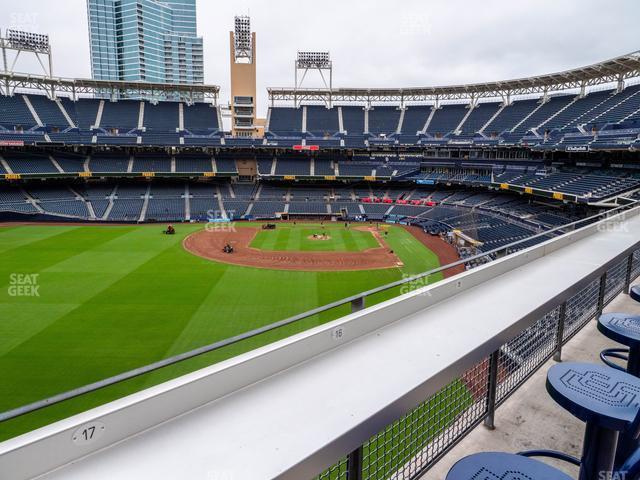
(298, 238)
(60, 283)
(59, 291)
(12, 238)
(20, 324)
(8, 228)
(36, 256)
(215, 321)
(168, 302)
(352, 242)
(141, 301)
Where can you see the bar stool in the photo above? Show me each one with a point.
(634, 293)
(508, 466)
(503, 466)
(607, 400)
(625, 329)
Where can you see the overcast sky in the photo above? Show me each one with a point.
(375, 43)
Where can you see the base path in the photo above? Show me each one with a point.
(209, 244)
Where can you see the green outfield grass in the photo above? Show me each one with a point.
(391, 449)
(296, 238)
(113, 298)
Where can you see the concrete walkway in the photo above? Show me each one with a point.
(529, 419)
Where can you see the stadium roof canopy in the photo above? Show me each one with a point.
(615, 70)
(10, 82)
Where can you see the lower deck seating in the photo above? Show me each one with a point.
(204, 209)
(235, 209)
(166, 209)
(73, 208)
(30, 163)
(193, 163)
(126, 210)
(70, 163)
(109, 163)
(267, 209)
(308, 208)
(296, 166)
(154, 163)
(494, 219)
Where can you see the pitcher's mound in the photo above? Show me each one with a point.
(319, 238)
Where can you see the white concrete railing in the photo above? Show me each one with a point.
(292, 408)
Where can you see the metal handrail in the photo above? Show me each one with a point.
(354, 299)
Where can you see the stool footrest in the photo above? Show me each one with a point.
(634, 293)
(619, 353)
(551, 454)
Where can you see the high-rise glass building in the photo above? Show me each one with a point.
(145, 40)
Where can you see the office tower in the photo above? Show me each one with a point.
(145, 40)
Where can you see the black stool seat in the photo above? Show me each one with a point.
(623, 328)
(634, 293)
(503, 466)
(595, 394)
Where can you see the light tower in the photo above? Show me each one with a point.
(243, 79)
(314, 61)
(18, 42)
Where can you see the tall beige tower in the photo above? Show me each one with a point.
(243, 79)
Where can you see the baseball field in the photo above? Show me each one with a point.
(83, 303)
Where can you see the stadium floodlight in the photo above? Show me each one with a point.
(18, 42)
(320, 61)
(33, 42)
(242, 37)
(313, 60)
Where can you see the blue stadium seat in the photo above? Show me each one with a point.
(162, 117)
(510, 116)
(285, 121)
(446, 119)
(415, 118)
(384, 120)
(122, 115)
(544, 112)
(479, 117)
(48, 111)
(293, 166)
(86, 112)
(322, 121)
(201, 118)
(14, 112)
(353, 120)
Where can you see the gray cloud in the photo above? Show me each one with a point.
(377, 43)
